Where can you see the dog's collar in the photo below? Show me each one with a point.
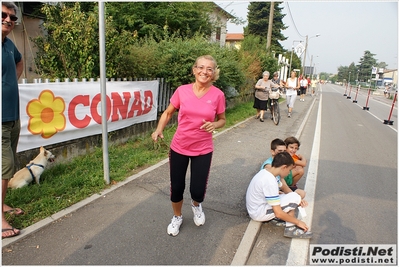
(33, 164)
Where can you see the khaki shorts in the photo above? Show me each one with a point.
(9, 142)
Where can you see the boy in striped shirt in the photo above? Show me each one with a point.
(265, 203)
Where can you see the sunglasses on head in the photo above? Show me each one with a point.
(4, 15)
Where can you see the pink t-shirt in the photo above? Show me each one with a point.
(189, 139)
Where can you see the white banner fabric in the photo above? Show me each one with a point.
(57, 112)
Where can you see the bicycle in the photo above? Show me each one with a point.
(274, 95)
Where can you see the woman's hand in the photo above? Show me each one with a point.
(208, 126)
(155, 136)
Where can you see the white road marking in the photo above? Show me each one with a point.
(299, 249)
(372, 114)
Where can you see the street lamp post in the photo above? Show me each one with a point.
(292, 49)
(306, 48)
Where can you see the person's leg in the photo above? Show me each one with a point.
(256, 105)
(289, 202)
(291, 230)
(291, 104)
(178, 169)
(301, 193)
(257, 113)
(200, 167)
(288, 99)
(9, 141)
(177, 207)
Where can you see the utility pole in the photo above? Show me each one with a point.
(269, 30)
(304, 56)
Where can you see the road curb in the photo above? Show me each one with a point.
(247, 243)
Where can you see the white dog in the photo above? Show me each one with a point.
(33, 170)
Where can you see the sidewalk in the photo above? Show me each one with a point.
(127, 223)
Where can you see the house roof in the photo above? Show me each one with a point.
(234, 36)
(227, 14)
(386, 70)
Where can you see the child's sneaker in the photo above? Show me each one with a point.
(199, 216)
(174, 226)
(277, 222)
(296, 232)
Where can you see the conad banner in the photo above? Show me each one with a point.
(57, 112)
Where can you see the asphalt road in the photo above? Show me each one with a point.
(351, 178)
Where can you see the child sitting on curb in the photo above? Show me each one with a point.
(277, 146)
(298, 171)
(264, 203)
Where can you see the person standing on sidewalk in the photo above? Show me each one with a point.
(314, 84)
(262, 89)
(292, 86)
(303, 87)
(12, 68)
(309, 82)
(201, 108)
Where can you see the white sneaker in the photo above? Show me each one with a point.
(199, 216)
(174, 226)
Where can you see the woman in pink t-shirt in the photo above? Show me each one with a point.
(201, 109)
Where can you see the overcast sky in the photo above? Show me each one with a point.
(346, 29)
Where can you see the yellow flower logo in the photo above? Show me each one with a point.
(46, 114)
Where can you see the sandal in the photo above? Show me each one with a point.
(16, 211)
(14, 233)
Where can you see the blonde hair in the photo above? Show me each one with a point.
(216, 73)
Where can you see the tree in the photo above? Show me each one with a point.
(383, 65)
(347, 74)
(258, 23)
(353, 73)
(153, 18)
(343, 73)
(324, 76)
(365, 66)
(68, 49)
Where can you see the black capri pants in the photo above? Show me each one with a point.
(199, 173)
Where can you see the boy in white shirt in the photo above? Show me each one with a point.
(264, 203)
